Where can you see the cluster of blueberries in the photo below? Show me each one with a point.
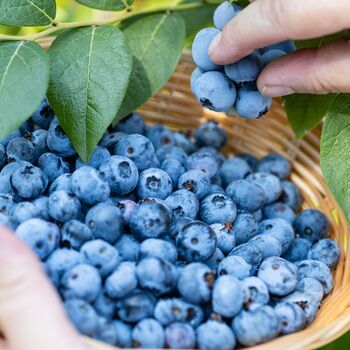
(231, 88)
(162, 241)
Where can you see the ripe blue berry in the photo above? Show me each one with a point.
(224, 13)
(327, 251)
(64, 206)
(99, 156)
(195, 181)
(291, 317)
(236, 266)
(256, 293)
(132, 124)
(128, 247)
(232, 169)
(148, 333)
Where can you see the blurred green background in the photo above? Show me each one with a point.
(71, 11)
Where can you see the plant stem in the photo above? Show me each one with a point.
(114, 20)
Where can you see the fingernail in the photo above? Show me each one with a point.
(213, 46)
(276, 90)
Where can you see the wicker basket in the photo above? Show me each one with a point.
(176, 107)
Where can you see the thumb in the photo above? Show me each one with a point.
(31, 314)
(317, 71)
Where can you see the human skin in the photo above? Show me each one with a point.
(31, 314)
(264, 22)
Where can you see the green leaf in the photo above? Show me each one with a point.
(107, 5)
(27, 12)
(335, 151)
(305, 111)
(24, 76)
(341, 343)
(90, 71)
(156, 42)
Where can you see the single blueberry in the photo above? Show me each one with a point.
(278, 210)
(232, 169)
(244, 227)
(160, 136)
(275, 164)
(325, 250)
(195, 181)
(268, 244)
(298, 250)
(250, 253)
(43, 115)
(225, 237)
(224, 14)
(132, 124)
(20, 148)
(99, 156)
(148, 333)
(180, 335)
(158, 248)
(64, 206)
(24, 211)
(53, 165)
(236, 266)
(291, 317)
(128, 248)
(256, 293)
(74, 234)
(124, 334)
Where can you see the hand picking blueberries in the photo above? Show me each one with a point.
(231, 87)
(169, 244)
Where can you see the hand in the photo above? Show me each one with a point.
(31, 314)
(264, 22)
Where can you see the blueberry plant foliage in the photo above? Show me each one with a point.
(95, 73)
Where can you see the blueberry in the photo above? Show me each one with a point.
(172, 152)
(60, 261)
(124, 334)
(256, 293)
(236, 266)
(105, 331)
(183, 203)
(250, 159)
(8, 222)
(42, 204)
(219, 157)
(64, 206)
(269, 183)
(58, 142)
(168, 311)
(82, 281)
(52, 165)
(311, 286)
(148, 333)
(224, 13)
(180, 335)
(174, 169)
(128, 247)
(250, 253)
(100, 254)
(307, 302)
(214, 261)
(5, 175)
(268, 244)
(197, 72)
(217, 208)
(228, 296)
(195, 283)
(43, 115)
(291, 195)
(244, 227)
(99, 156)
(215, 91)
(160, 136)
(127, 207)
(158, 248)
(318, 270)
(132, 124)
(104, 305)
(156, 275)
(232, 169)
(247, 195)
(271, 55)
(245, 70)
(24, 211)
(135, 306)
(195, 181)
(213, 335)
(275, 164)
(40, 235)
(105, 222)
(154, 183)
(8, 138)
(298, 250)
(205, 162)
(278, 210)
(279, 228)
(287, 46)
(225, 237)
(210, 134)
(20, 148)
(28, 182)
(74, 234)
(82, 315)
(311, 224)
(149, 220)
(110, 139)
(216, 189)
(258, 216)
(280, 275)
(251, 104)
(327, 251)
(62, 182)
(184, 142)
(256, 326)
(122, 281)
(196, 241)
(200, 48)
(291, 317)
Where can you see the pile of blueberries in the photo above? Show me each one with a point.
(163, 241)
(231, 88)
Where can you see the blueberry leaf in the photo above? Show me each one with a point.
(90, 71)
(305, 111)
(107, 5)
(27, 12)
(335, 150)
(156, 42)
(24, 77)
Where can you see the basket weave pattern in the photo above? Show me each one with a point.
(176, 107)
